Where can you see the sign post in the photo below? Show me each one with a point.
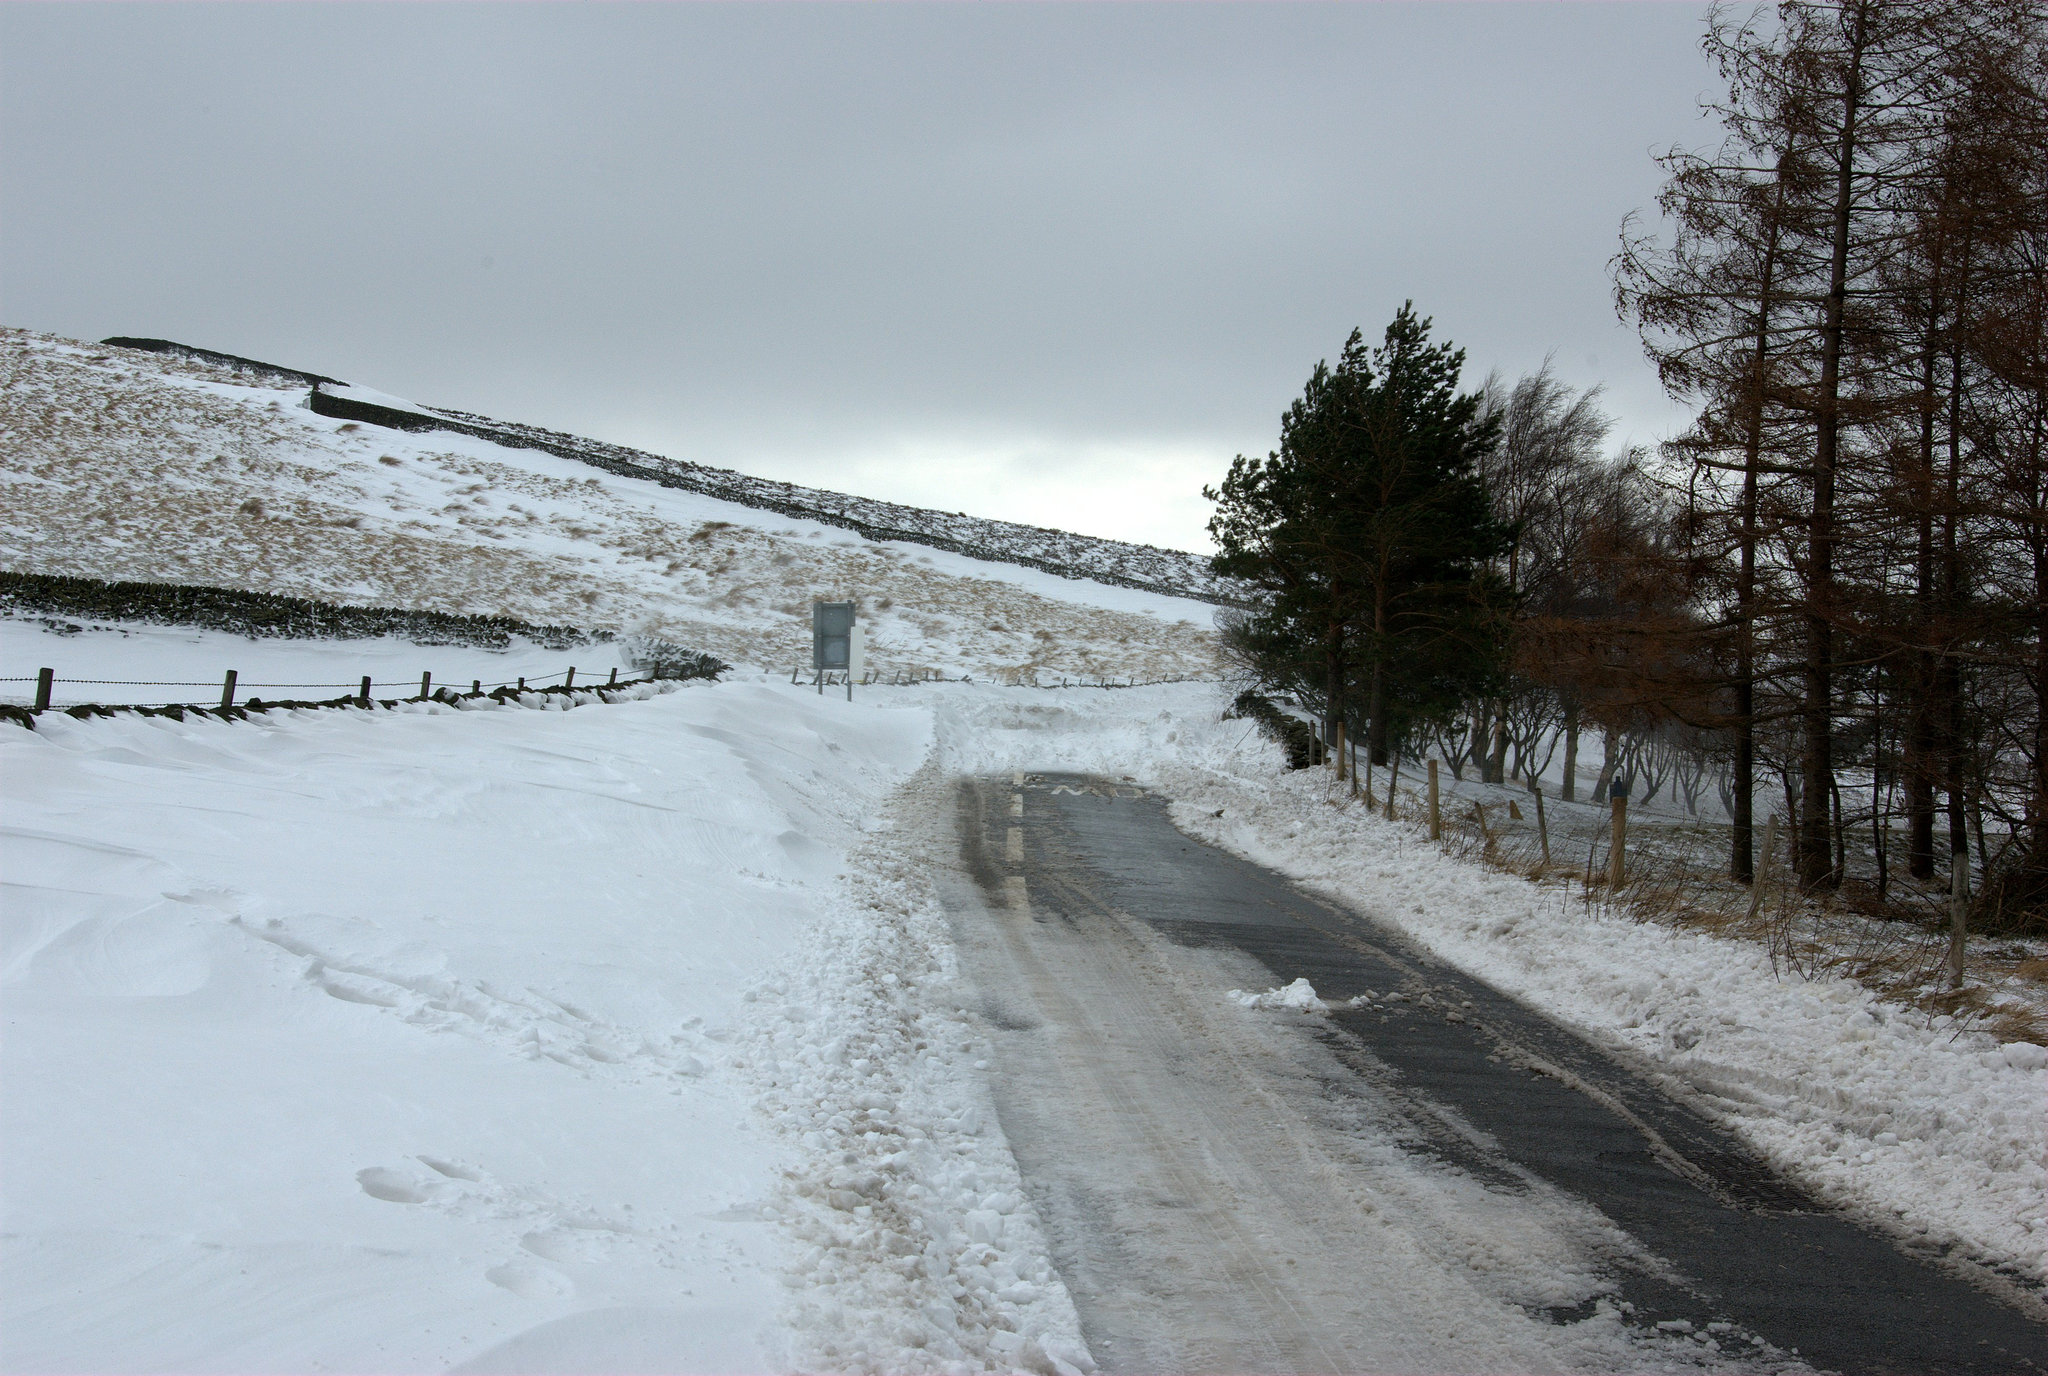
(835, 642)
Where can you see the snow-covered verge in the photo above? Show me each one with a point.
(1939, 1132)
(403, 1040)
(915, 1247)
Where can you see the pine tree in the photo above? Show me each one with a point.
(1368, 531)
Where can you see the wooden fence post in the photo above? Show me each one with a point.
(366, 690)
(1617, 854)
(44, 678)
(1542, 826)
(1485, 832)
(426, 683)
(476, 687)
(1436, 816)
(614, 679)
(227, 690)
(1958, 913)
(522, 683)
(1393, 782)
(569, 679)
(1762, 877)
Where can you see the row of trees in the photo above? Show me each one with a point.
(1833, 586)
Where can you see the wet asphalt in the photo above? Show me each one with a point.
(1742, 1245)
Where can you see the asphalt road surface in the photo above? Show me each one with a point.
(1442, 1180)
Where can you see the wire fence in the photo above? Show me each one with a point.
(910, 678)
(231, 687)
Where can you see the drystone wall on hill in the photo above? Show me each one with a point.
(1174, 573)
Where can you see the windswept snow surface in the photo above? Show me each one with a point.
(630, 1038)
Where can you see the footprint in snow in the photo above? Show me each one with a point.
(381, 1182)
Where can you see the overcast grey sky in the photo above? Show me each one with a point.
(1056, 263)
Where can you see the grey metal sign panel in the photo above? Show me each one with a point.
(831, 635)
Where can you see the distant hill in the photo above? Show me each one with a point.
(147, 461)
(1173, 572)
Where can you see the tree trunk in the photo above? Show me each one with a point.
(1609, 761)
(1333, 689)
(1376, 727)
(1569, 789)
(1742, 831)
(1816, 709)
(1920, 767)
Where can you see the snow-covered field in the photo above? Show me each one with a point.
(125, 465)
(627, 1038)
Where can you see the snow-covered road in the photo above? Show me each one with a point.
(633, 1038)
(1420, 1175)
(1222, 1194)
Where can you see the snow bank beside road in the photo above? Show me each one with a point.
(399, 1041)
(916, 1248)
(1939, 1135)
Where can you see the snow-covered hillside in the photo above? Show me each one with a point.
(121, 463)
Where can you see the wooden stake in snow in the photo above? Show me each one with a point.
(426, 683)
(1958, 912)
(1542, 826)
(44, 678)
(1763, 875)
(365, 694)
(1618, 845)
(1393, 782)
(227, 690)
(1436, 817)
